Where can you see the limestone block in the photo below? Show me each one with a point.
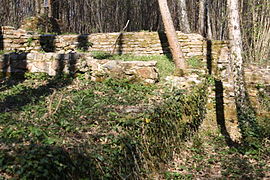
(39, 66)
(147, 73)
(7, 28)
(7, 41)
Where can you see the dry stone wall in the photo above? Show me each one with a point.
(72, 62)
(139, 43)
(41, 53)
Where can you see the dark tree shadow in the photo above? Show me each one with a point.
(118, 45)
(55, 25)
(209, 56)
(220, 117)
(1, 40)
(219, 98)
(47, 42)
(13, 69)
(119, 50)
(66, 60)
(37, 161)
(241, 168)
(32, 95)
(165, 44)
(83, 43)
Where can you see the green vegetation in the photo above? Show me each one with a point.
(165, 64)
(264, 116)
(195, 62)
(71, 128)
(110, 129)
(101, 55)
(36, 76)
(207, 156)
(29, 41)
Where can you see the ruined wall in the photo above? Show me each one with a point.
(72, 62)
(53, 54)
(43, 50)
(139, 43)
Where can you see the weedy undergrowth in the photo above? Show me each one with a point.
(93, 130)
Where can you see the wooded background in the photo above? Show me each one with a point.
(91, 16)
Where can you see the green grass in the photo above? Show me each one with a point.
(165, 64)
(195, 63)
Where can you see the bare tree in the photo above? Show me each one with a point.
(177, 54)
(205, 25)
(184, 23)
(208, 20)
(245, 113)
(50, 8)
(202, 17)
(38, 7)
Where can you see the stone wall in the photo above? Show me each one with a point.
(45, 50)
(214, 53)
(72, 62)
(139, 43)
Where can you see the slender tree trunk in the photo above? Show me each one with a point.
(202, 17)
(50, 8)
(177, 54)
(204, 24)
(38, 7)
(209, 25)
(245, 113)
(184, 23)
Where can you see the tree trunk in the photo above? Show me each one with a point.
(177, 54)
(184, 23)
(245, 113)
(209, 27)
(202, 18)
(50, 8)
(204, 24)
(38, 7)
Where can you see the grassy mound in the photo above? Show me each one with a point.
(59, 129)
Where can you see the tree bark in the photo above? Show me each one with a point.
(246, 115)
(184, 23)
(204, 25)
(38, 7)
(177, 54)
(202, 18)
(50, 8)
(209, 27)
